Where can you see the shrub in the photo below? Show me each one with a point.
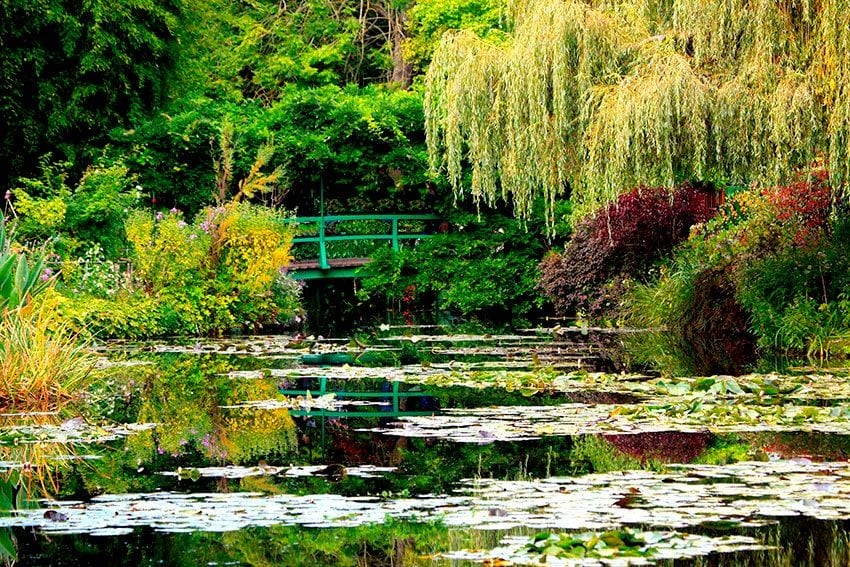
(41, 362)
(692, 322)
(771, 272)
(166, 250)
(480, 268)
(224, 271)
(92, 274)
(621, 242)
(91, 214)
(133, 316)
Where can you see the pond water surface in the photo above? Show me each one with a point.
(426, 449)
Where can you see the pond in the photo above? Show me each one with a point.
(419, 449)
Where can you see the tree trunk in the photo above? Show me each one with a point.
(402, 69)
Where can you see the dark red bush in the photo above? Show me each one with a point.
(622, 242)
(807, 204)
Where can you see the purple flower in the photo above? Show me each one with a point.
(181, 224)
(193, 236)
(174, 211)
(205, 226)
(46, 274)
(159, 216)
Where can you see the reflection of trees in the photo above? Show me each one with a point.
(184, 395)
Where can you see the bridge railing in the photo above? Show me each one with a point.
(393, 234)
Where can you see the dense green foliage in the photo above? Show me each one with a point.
(365, 146)
(477, 268)
(91, 215)
(70, 71)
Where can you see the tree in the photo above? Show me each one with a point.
(597, 97)
(70, 70)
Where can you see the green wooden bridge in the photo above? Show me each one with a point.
(336, 228)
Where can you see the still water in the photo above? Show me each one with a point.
(405, 449)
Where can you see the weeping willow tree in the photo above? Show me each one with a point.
(600, 96)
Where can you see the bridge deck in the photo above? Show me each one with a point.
(334, 263)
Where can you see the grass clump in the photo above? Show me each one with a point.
(42, 364)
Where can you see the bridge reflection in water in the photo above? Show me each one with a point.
(370, 399)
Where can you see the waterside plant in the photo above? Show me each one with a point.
(41, 362)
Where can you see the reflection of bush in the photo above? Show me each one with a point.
(252, 434)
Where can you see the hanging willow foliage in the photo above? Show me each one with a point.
(599, 96)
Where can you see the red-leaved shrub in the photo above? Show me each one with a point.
(620, 242)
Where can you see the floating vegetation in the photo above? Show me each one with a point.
(526, 340)
(745, 494)
(308, 402)
(259, 346)
(73, 431)
(748, 494)
(811, 386)
(623, 547)
(523, 423)
(235, 472)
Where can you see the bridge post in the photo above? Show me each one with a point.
(396, 246)
(323, 251)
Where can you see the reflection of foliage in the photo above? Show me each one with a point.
(591, 453)
(435, 466)
(9, 500)
(389, 543)
(183, 394)
(251, 435)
